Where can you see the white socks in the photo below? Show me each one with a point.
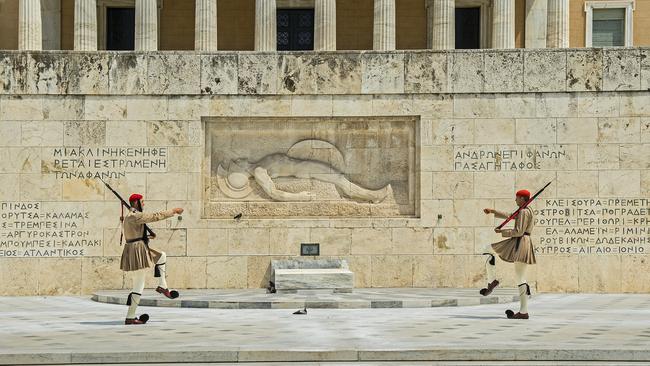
(490, 263)
(524, 289)
(162, 270)
(523, 298)
(134, 298)
(136, 293)
(490, 269)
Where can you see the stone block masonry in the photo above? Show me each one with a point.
(485, 123)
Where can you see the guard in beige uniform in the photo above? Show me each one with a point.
(517, 249)
(138, 257)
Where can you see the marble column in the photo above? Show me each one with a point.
(441, 15)
(30, 26)
(85, 25)
(384, 25)
(535, 24)
(325, 25)
(205, 27)
(51, 28)
(146, 25)
(265, 26)
(503, 24)
(557, 31)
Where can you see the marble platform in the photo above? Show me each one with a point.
(363, 298)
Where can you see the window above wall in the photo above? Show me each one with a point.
(609, 23)
(112, 18)
(472, 24)
(295, 25)
(295, 29)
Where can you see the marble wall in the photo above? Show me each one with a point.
(485, 123)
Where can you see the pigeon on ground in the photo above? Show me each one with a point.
(300, 312)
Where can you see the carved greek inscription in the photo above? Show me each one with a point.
(593, 226)
(498, 158)
(29, 230)
(104, 162)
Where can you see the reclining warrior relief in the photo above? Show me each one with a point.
(234, 177)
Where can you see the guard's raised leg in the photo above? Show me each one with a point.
(160, 271)
(490, 270)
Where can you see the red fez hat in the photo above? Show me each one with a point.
(135, 197)
(523, 193)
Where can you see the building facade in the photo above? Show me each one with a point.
(384, 152)
(416, 24)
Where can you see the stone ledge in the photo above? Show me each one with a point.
(372, 298)
(316, 355)
(323, 73)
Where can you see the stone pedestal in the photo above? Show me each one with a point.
(441, 16)
(384, 25)
(30, 26)
(205, 29)
(85, 25)
(503, 24)
(557, 34)
(146, 25)
(325, 25)
(265, 25)
(301, 274)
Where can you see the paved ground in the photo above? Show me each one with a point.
(391, 363)
(563, 328)
(360, 298)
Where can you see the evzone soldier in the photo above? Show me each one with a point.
(138, 257)
(517, 249)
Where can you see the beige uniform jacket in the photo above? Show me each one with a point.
(519, 245)
(137, 255)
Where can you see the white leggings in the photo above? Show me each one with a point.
(138, 280)
(520, 272)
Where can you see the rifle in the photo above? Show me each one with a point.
(147, 231)
(514, 214)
